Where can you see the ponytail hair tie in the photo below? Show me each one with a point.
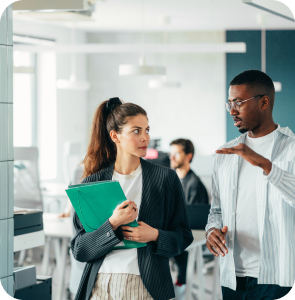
(111, 104)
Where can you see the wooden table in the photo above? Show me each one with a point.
(196, 255)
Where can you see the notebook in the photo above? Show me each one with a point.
(95, 202)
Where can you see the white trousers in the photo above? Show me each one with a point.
(119, 287)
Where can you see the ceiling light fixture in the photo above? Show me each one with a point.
(277, 84)
(73, 83)
(142, 68)
(163, 82)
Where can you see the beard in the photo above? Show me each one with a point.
(179, 165)
(243, 130)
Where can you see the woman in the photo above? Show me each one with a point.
(120, 136)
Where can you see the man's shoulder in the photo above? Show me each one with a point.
(193, 179)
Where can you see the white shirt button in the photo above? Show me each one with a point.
(233, 214)
(108, 234)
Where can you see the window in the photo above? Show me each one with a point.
(24, 104)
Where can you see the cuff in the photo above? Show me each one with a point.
(119, 233)
(157, 247)
(110, 233)
(213, 225)
(275, 176)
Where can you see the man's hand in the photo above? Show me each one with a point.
(249, 155)
(216, 238)
(142, 234)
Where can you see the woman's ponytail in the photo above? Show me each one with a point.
(102, 151)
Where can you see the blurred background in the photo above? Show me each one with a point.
(174, 58)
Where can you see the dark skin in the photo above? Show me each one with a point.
(254, 117)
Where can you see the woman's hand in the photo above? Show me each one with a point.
(142, 234)
(123, 215)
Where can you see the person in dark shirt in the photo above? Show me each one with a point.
(182, 152)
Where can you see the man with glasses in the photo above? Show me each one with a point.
(252, 215)
(182, 152)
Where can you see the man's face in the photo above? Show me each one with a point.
(247, 118)
(177, 156)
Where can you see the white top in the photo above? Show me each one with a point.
(125, 260)
(247, 246)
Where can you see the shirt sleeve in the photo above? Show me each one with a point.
(215, 214)
(284, 182)
(87, 246)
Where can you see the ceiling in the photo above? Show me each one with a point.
(175, 15)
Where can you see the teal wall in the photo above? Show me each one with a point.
(280, 66)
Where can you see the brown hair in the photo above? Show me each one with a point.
(187, 145)
(102, 151)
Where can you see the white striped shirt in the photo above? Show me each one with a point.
(275, 209)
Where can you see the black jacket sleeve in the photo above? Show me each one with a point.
(93, 245)
(178, 236)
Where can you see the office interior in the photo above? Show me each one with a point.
(58, 65)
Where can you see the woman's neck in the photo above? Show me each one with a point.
(126, 163)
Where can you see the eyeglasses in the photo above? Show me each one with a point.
(236, 104)
(176, 155)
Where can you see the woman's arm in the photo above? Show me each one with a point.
(178, 235)
(93, 245)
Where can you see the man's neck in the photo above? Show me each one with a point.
(182, 171)
(263, 130)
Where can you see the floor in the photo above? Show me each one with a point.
(34, 257)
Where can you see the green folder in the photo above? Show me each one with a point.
(95, 202)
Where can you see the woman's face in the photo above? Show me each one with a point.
(134, 137)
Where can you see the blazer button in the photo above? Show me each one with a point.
(108, 234)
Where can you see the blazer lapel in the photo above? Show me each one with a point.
(142, 207)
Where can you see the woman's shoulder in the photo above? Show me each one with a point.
(99, 176)
(157, 170)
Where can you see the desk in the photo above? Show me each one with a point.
(56, 229)
(195, 254)
(54, 192)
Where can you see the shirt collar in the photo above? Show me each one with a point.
(283, 130)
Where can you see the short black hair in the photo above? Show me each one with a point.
(258, 81)
(187, 145)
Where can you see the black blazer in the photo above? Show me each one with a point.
(162, 207)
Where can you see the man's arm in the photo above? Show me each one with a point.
(215, 232)
(215, 216)
(282, 180)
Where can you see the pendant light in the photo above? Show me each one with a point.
(262, 21)
(73, 83)
(163, 82)
(142, 68)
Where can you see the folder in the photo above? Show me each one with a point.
(95, 202)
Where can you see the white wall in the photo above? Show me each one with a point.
(196, 111)
(61, 113)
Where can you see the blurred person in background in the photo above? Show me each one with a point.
(182, 152)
